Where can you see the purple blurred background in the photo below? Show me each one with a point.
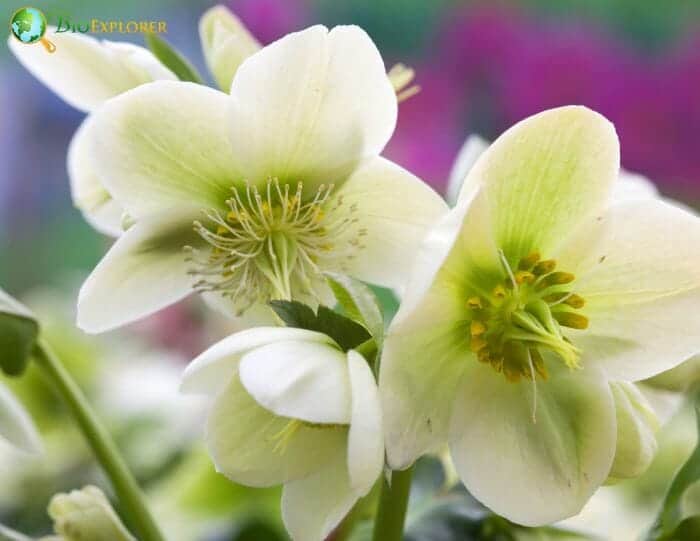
(482, 66)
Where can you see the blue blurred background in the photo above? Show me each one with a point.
(482, 66)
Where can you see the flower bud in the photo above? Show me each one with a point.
(86, 514)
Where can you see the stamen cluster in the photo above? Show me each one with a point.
(274, 243)
(523, 315)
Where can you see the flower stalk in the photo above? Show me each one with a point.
(131, 499)
(393, 502)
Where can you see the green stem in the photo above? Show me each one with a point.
(393, 502)
(126, 489)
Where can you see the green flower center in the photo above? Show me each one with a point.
(274, 244)
(523, 315)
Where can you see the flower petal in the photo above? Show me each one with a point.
(310, 106)
(396, 210)
(164, 146)
(248, 445)
(143, 272)
(638, 268)
(226, 43)
(366, 437)
(89, 194)
(472, 148)
(313, 507)
(631, 186)
(636, 431)
(86, 72)
(302, 380)
(211, 371)
(16, 427)
(533, 473)
(545, 175)
(426, 349)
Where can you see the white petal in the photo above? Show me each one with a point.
(472, 148)
(86, 72)
(631, 186)
(89, 194)
(426, 349)
(313, 507)
(16, 427)
(247, 445)
(366, 437)
(397, 210)
(545, 175)
(211, 371)
(678, 379)
(636, 431)
(533, 473)
(226, 43)
(311, 106)
(164, 146)
(143, 272)
(302, 380)
(638, 268)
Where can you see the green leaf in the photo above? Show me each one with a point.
(359, 303)
(346, 332)
(18, 333)
(670, 519)
(172, 59)
(388, 302)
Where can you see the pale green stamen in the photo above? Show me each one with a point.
(274, 243)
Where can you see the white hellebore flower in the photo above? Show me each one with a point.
(289, 406)
(535, 293)
(85, 73)
(266, 188)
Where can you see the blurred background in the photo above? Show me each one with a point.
(482, 66)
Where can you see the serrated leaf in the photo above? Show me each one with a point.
(172, 59)
(346, 332)
(18, 333)
(359, 303)
(671, 515)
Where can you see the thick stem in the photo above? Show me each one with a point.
(131, 499)
(393, 502)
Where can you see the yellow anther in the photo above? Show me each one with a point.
(575, 301)
(477, 327)
(544, 267)
(571, 299)
(232, 216)
(474, 302)
(483, 355)
(527, 262)
(524, 277)
(512, 374)
(221, 230)
(557, 279)
(477, 343)
(499, 291)
(571, 319)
